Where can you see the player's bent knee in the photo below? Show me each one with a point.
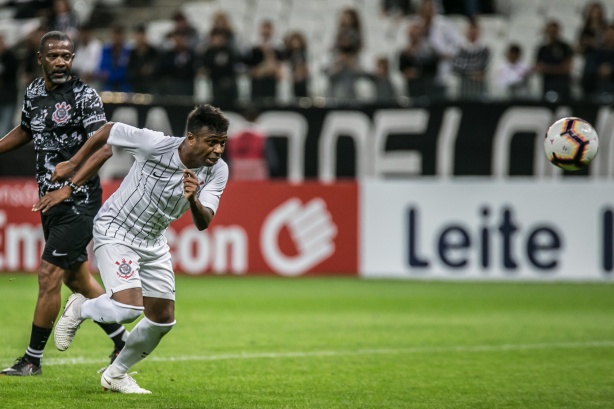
(125, 313)
(166, 328)
(161, 328)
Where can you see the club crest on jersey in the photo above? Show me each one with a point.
(125, 269)
(60, 115)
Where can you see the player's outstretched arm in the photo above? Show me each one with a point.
(14, 139)
(96, 154)
(85, 173)
(92, 165)
(201, 215)
(65, 170)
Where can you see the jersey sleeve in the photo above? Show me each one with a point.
(212, 192)
(25, 114)
(141, 143)
(92, 111)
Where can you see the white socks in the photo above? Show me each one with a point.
(141, 342)
(104, 309)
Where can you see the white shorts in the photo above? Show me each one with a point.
(122, 267)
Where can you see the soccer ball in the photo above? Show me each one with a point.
(571, 143)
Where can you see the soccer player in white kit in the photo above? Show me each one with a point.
(169, 176)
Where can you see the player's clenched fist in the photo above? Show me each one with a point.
(190, 184)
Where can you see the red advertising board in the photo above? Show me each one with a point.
(261, 228)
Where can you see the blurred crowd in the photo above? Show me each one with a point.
(434, 52)
(416, 66)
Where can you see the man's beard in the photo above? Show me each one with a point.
(58, 80)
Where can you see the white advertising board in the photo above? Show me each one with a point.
(485, 229)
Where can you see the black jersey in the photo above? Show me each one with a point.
(60, 121)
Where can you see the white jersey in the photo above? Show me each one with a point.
(151, 196)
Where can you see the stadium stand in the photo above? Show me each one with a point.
(518, 21)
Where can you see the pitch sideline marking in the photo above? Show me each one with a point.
(374, 351)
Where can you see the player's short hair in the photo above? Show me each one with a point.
(209, 116)
(54, 35)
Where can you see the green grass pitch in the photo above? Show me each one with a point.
(340, 343)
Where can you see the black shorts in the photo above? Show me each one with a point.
(67, 235)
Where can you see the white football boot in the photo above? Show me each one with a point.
(123, 383)
(69, 322)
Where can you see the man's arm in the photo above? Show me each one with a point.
(201, 215)
(65, 170)
(85, 173)
(562, 68)
(14, 139)
(94, 159)
(92, 165)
